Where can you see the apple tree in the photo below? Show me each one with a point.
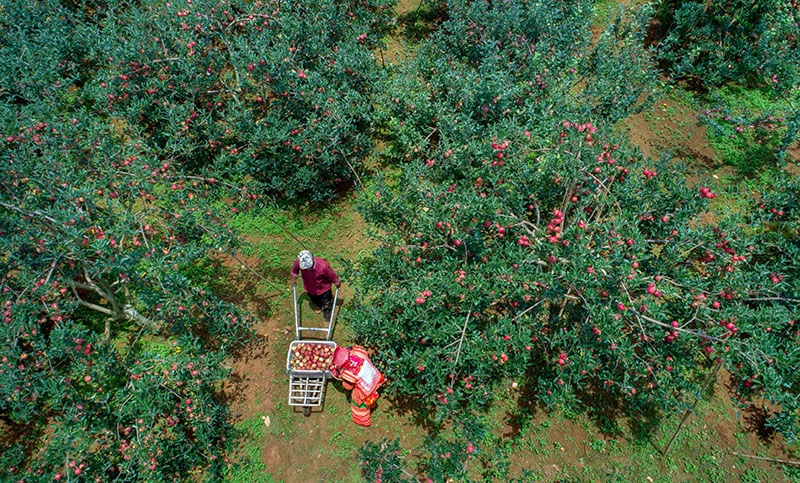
(278, 92)
(97, 235)
(524, 241)
(111, 353)
(755, 44)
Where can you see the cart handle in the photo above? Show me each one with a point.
(296, 321)
(333, 314)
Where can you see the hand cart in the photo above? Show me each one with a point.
(306, 387)
(298, 329)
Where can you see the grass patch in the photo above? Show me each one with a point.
(746, 126)
(700, 452)
(603, 10)
(284, 423)
(158, 346)
(250, 469)
(277, 235)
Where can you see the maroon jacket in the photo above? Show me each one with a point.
(318, 279)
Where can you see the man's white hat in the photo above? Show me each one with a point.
(306, 260)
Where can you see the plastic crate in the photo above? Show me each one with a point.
(306, 391)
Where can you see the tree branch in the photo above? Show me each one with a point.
(91, 305)
(36, 213)
(256, 273)
(703, 336)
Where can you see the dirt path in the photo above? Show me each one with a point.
(323, 446)
(406, 13)
(292, 448)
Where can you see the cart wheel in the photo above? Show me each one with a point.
(306, 411)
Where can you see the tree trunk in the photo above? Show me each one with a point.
(132, 314)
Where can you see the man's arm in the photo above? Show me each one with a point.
(331, 275)
(295, 268)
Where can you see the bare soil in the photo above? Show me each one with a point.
(672, 126)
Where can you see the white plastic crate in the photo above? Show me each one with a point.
(306, 391)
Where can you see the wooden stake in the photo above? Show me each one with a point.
(460, 341)
(774, 460)
(463, 331)
(691, 410)
(361, 185)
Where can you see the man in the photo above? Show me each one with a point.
(359, 374)
(318, 276)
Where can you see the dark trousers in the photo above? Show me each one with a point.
(323, 301)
